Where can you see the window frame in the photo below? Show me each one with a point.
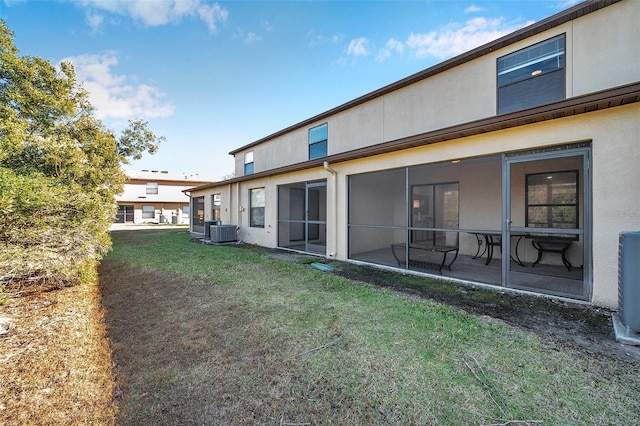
(145, 215)
(248, 163)
(549, 205)
(216, 203)
(257, 203)
(152, 188)
(318, 141)
(542, 77)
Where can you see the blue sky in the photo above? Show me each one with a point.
(214, 76)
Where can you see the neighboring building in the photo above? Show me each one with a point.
(527, 145)
(152, 196)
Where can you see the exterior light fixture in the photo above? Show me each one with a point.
(536, 72)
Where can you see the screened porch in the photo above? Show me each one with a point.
(456, 219)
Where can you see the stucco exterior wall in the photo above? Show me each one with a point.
(606, 55)
(468, 91)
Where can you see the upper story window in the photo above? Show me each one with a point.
(152, 187)
(318, 141)
(256, 207)
(248, 163)
(532, 76)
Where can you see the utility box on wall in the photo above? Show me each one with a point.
(627, 322)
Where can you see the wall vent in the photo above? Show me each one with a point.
(626, 322)
(223, 233)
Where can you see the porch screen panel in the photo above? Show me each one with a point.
(197, 214)
(302, 216)
(291, 214)
(548, 208)
(377, 215)
(378, 198)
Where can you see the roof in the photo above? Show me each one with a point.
(570, 14)
(163, 175)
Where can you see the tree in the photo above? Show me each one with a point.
(60, 169)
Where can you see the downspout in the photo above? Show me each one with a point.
(335, 208)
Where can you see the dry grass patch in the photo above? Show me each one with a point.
(55, 362)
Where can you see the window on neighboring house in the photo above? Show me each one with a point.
(532, 76)
(197, 212)
(185, 212)
(148, 212)
(216, 201)
(248, 163)
(552, 200)
(256, 207)
(318, 141)
(152, 187)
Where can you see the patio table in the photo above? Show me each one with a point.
(494, 239)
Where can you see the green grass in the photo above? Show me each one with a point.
(226, 335)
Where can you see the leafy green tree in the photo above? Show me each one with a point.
(60, 169)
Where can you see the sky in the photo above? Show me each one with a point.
(212, 77)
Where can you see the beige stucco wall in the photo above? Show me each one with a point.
(599, 55)
(615, 184)
(606, 55)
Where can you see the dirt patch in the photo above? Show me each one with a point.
(586, 328)
(55, 360)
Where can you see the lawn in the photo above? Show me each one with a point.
(206, 334)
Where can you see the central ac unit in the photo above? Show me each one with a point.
(223, 233)
(627, 322)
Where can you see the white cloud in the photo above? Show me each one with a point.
(473, 8)
(252, 38)
(95, 20)
(358, 47)
(114, 96)
(156, 12)
(392, 46)
(454, 39)
(316, 39)
(565, 4)
(266, 25)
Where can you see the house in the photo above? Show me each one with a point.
(528, 145)
(153, 196)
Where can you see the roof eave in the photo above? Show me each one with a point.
(610, 98)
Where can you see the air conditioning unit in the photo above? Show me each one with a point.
(223, 233)
(627, 322)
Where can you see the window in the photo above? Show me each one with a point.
(256, 207)
(197, 212)
(552, 200)
(152, 187)
(248, 163)
(185, 212)
(318, 141)
(148, 212)
(216, 202)
(532, 76)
